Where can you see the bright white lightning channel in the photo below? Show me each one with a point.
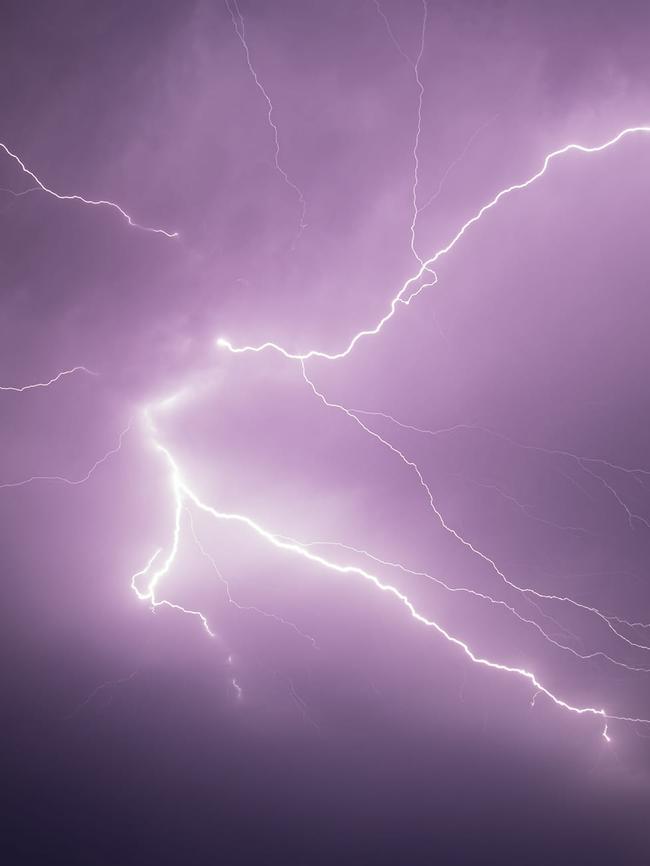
(184, 495)
(405, 295)
(408, 291)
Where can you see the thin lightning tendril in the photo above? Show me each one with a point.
(72, 482)
(238, 24)
(477, 552)
(20, 388)
(109, 684)
(89, 201)
(415, 65)
(581, 461)
(245, 607)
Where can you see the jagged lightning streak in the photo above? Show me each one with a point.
(182, 492)
(482, 596)
(234, 682)
(238, 24)
(407, 292)
(416, 143)
(400, 297)
(527, 510)
(154, 576)
(73, 482)
(607, 619)
(452, 165)
(489, 431)
(245, 607)
(391, 33)
(410, 289)
(109, 684)
(20, 388)
(415, 65)
(301, 704)
(470, 546)
(19, 193)
(149, 592)
(89, 201)
(180, 495)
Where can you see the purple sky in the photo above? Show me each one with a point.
(322, 723)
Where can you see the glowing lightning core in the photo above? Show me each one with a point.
(146, 583)
(183, 493)
(406, 294)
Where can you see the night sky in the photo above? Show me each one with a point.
(276, 591)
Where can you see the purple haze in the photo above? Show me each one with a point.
(322, 724)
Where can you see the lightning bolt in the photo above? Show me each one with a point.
(20, 388)
(581, 461)
(238, 24)
(415, 65)
(477, 552)
(79, 198)
(452, 165)
(409, 289)
(183, 493)
(72, 482)
(239, 692)
(148, 581)
(463, 590)
(234, 682)
(406, 293)
(110, 684)
(154, 575)
(301, 704)
(528, 510)
(246, 607)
